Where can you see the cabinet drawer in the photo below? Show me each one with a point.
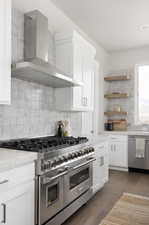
(101, 149)
(118, 138)
(101, 146)
(16, 176)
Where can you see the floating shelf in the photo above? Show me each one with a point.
(112, 113)
(120, 95)
(117, 78)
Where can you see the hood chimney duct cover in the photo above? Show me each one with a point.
(35, 37)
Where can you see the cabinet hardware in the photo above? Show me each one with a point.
(111, 148)
(84, 164)
(86, 101)
(115, 148)
(101, 161)
(4, 213)
(83, 101)
(4, 182)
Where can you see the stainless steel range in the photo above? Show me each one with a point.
(63, 175)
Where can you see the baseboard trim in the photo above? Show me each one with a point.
(118, 168)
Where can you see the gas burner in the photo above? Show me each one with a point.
(43, 144)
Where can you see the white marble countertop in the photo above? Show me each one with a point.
(10, 159)
(129, 132)
(99, 139)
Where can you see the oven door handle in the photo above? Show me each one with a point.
(49, 179)
(83, 164)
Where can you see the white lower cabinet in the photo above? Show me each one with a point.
(17, 201)
(17, 206)
(100, 166)
(118, 152)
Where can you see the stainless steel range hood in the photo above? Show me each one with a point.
(35, 66)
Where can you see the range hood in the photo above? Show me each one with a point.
(35, 66)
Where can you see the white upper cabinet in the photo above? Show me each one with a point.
(75, 56)
(5, 51)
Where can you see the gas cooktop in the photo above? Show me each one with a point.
(42, 144)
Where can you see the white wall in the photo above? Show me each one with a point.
(128, 59)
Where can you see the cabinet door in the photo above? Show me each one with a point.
(5, 51)
(121, 154)
(78, 75)
(77, 62)
(88, 80)
(118, 154)
(111, 154)
(17, 205)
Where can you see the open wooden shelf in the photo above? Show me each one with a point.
(120, 95)
(112, 113)
(117, 78)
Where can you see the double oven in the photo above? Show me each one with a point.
(60, 188)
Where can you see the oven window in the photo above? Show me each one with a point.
(52, 194)
(79, 177)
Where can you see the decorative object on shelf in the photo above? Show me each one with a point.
(119, 125)
(117, 108)
(108, 126)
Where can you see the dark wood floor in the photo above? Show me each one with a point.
(96, 209)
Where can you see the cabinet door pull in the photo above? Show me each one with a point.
(83, 101)
(111, 148)
(101, 160)
(4, 213)
(4, 182)
(86, 101)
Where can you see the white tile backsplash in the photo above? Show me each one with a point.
(31, 112)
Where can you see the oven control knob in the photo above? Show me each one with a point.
(81, 153)
(77, 154)
(59, 160)
(91, 149)
(46, 165)
(69, 156)
(86, 151)
(53, 163)
(65, 158)
(73, 155)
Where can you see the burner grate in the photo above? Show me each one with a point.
(43, 144)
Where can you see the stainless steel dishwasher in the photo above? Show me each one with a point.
(134, 163)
